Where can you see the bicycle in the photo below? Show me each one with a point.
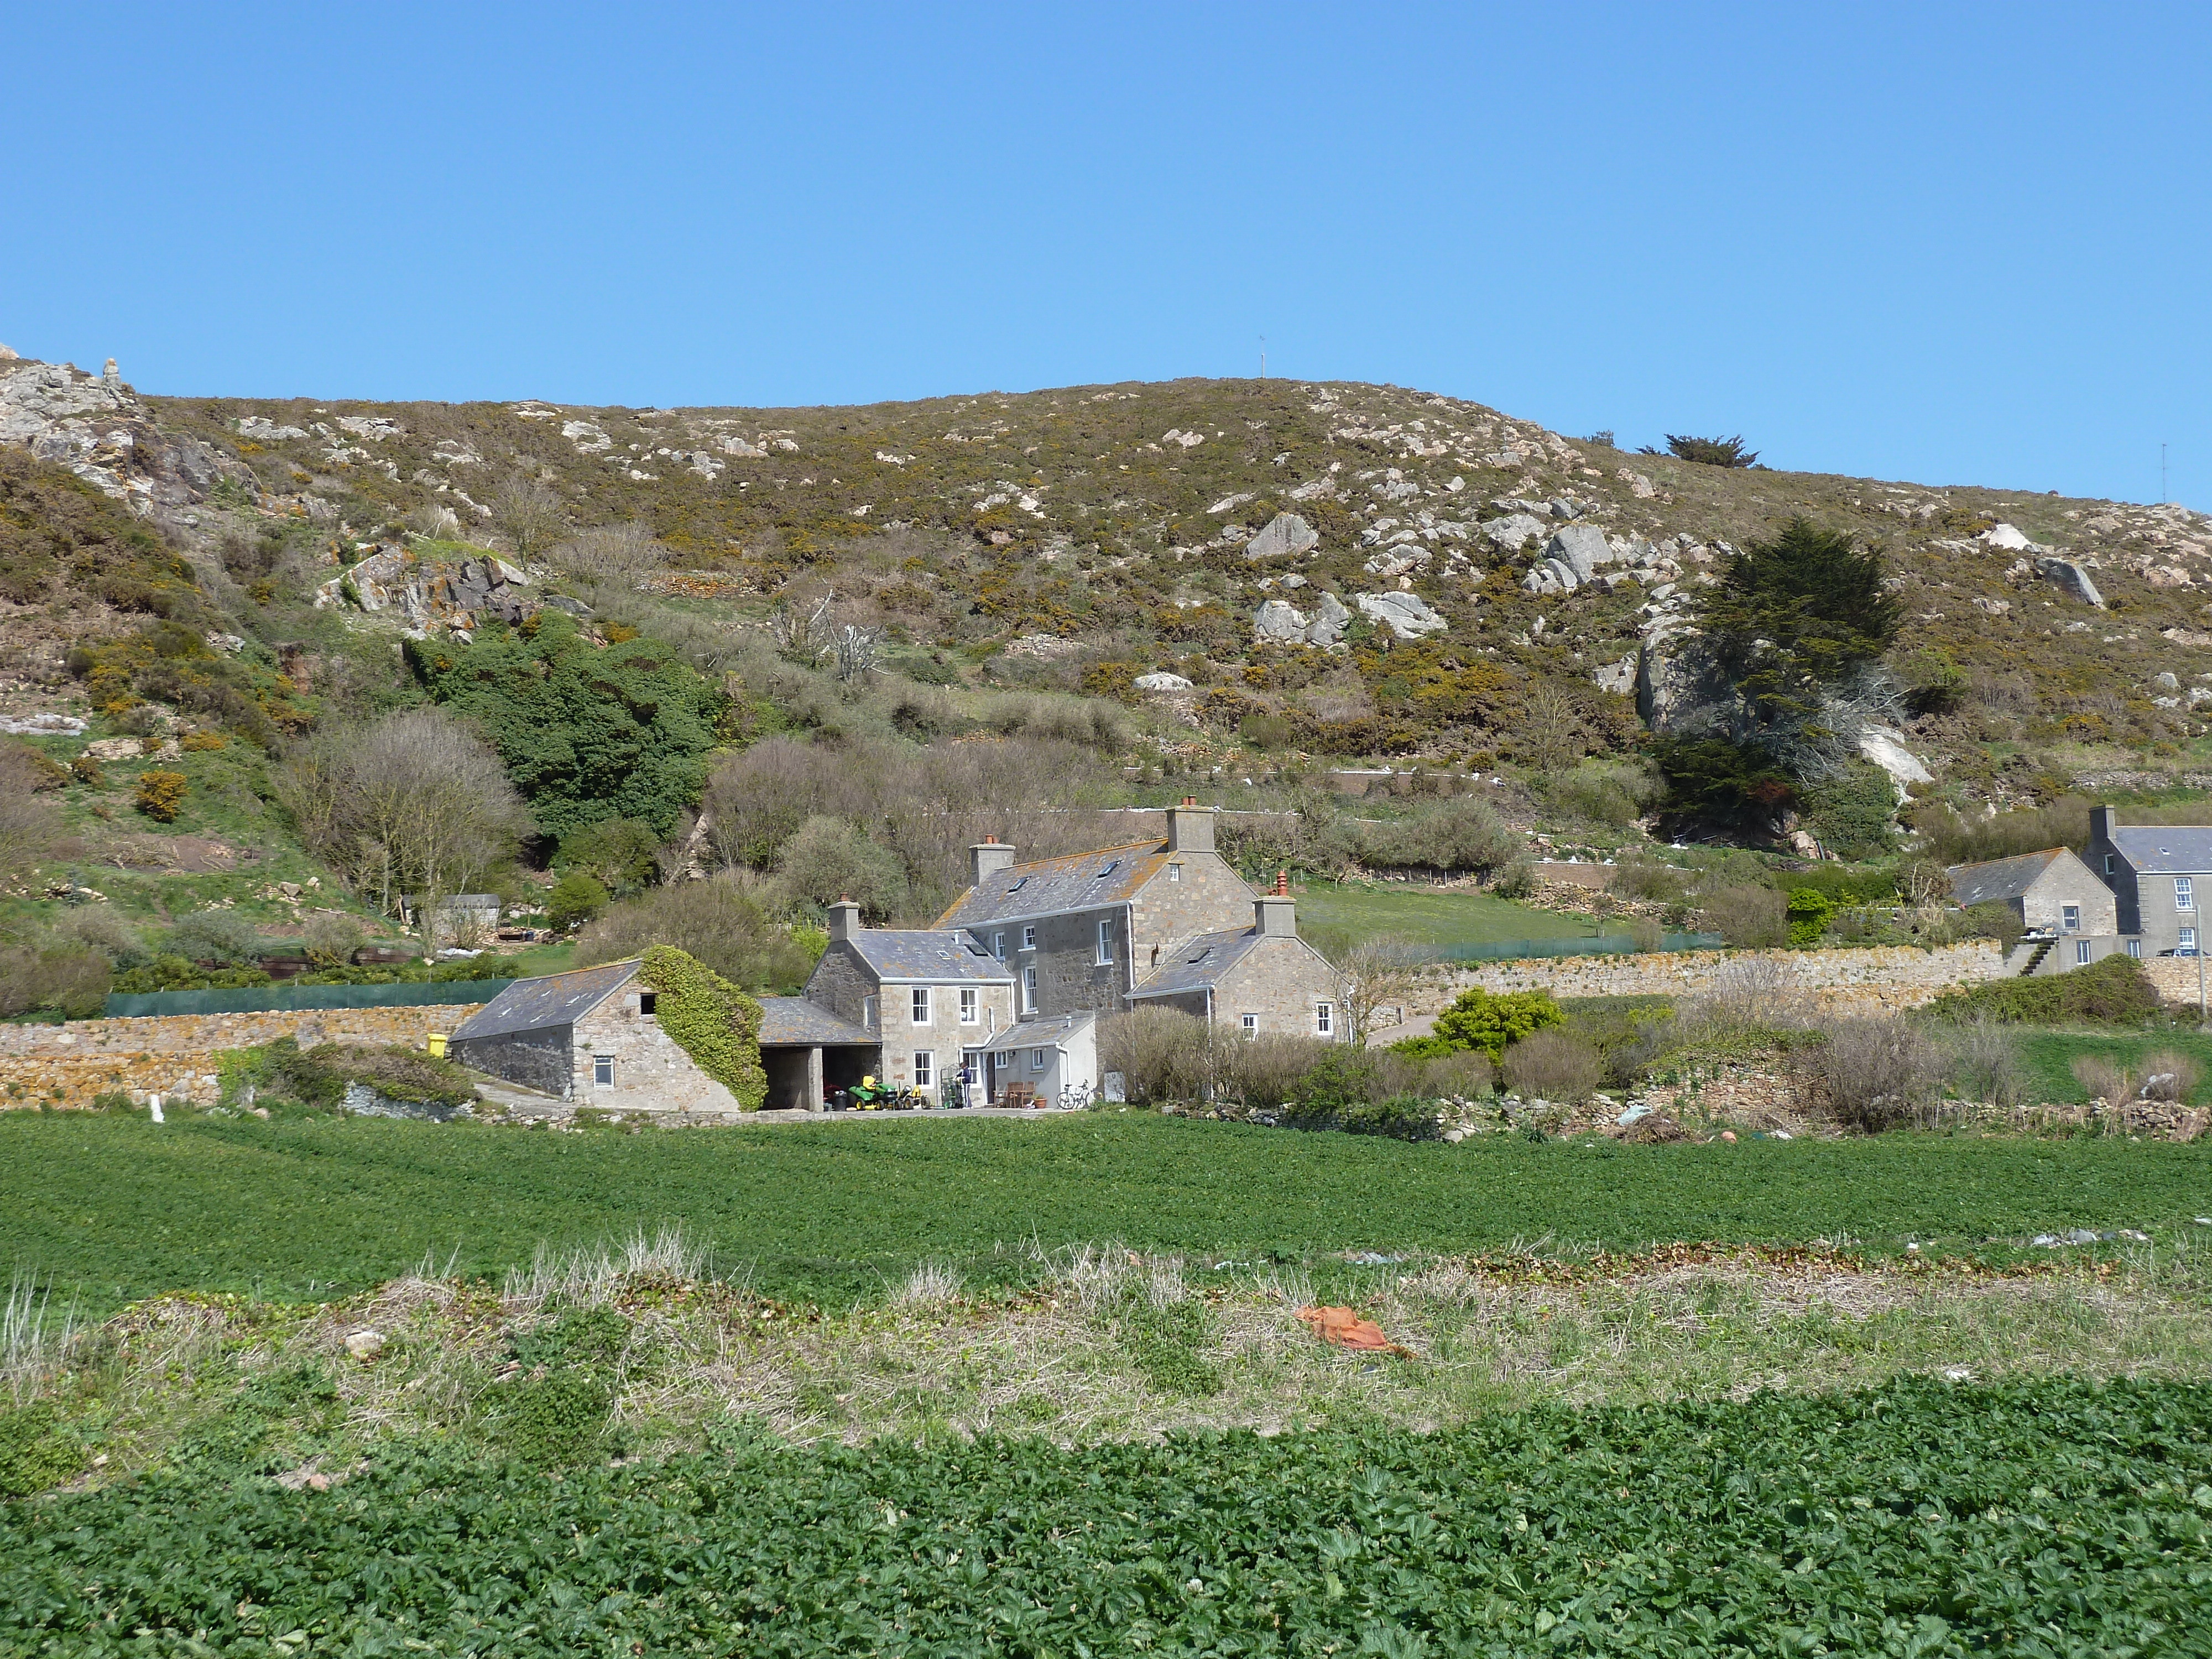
(1074, 1098)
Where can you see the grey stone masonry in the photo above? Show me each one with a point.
(647, 1072)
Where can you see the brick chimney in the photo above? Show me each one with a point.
(1274, 914)
(1190, 827)
(844, 918)
(987, 858)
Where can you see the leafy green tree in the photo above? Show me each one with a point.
(620, 854)
(1708, 452)
(1489, 1020)
(1714, 779)
(1798, 617)
(587, 731)
(576, 898)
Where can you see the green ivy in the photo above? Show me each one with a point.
(711, 1020)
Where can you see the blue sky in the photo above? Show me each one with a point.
(1954, 245)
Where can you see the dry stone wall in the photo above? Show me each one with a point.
(175, 1056)
(1874, 978)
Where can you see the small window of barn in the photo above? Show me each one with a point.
(648, 1002)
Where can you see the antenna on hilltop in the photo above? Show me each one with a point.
(1263, 356)
(2163, 496)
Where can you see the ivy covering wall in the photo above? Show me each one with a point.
(711, 1020)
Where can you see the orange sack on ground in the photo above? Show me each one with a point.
(1344, 1329)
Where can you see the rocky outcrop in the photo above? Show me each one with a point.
(1284, 533)
(1280, 620)
(1330, 620)
(2069, 578)
(96, 427)
(1406, 615)
(1884, 746)
(454, 596)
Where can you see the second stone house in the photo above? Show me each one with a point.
(934, 1000)
(1101, 931)
(2068, 915)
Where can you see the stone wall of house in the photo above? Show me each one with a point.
(2176, 978)
(843, 983)
(174, 1055)
(1281, 979)
(1071, 980)
(652, 1072)
(1210, 899)
(943, 1034)
(1866, 980)
(2068, 881)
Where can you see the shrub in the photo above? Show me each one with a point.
(2114, 991)
(1266, 1070)
(1549, 1065)
(711, 1020)
(1458, 833)
(1595, 792)
(828, 859)
(224, 937)
(1707, 451)
(1872, 1074)
(1808, 912)
(1989, 1066)
(622, 855)
(1713, 779)
(1854, 814)
(2104, 1078)
(1162, 1053)
(159, 795)
(329, 941)
(1750, 917)
(1490, 1020)
(576, 898)
(716, 922)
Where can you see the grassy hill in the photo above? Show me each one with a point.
(202, 567)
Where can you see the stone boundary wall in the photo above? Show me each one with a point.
(1876, 978)
(2176, 978)
(174, 1055)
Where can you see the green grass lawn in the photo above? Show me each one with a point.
(114, 1208)
(2050, 1057)
(1427, 916)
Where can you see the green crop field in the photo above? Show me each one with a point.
(1426, 915)
(2049, 1058)
(1918, 1519)
(115, 1208)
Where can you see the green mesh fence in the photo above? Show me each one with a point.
(283, 999)
(1607, 944)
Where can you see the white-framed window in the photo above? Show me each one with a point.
(925, 1068)
(2081, 952)
(603, 1070)
(2188, 939)
(1038, 1060)
(1029, 937)
(2070, 917)
(2134, 949)
(1006, 1060)
(921, 1004)
(1175, 873)
(2184, 893)
(999, 946)
(1029, 990)
(1105, 943)
(967, 1012)
(1251, 1024)
(1324, 1018)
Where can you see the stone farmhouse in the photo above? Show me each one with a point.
(2137, 892)
(2068, 916)
(2159, 874)
(1163, 923)
(588, 1037)
(998, 1002)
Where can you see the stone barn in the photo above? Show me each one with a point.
(809, 1052)
(590, 1037)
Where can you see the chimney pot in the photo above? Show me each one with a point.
(988, 857)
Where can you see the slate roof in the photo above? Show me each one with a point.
(1041, 1033)
(1199, 962)
(917, 953)
(2000, 879)
(2166, 849)
(534, 1005)
(1079, 881)
(794, 1022)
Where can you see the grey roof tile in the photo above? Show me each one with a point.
(1079, 881)
(533, 1005)
(1199, 962)
(2166, 849)
(1041, 1033)
(2000, 879)
(794, 1022)
(897, 953)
